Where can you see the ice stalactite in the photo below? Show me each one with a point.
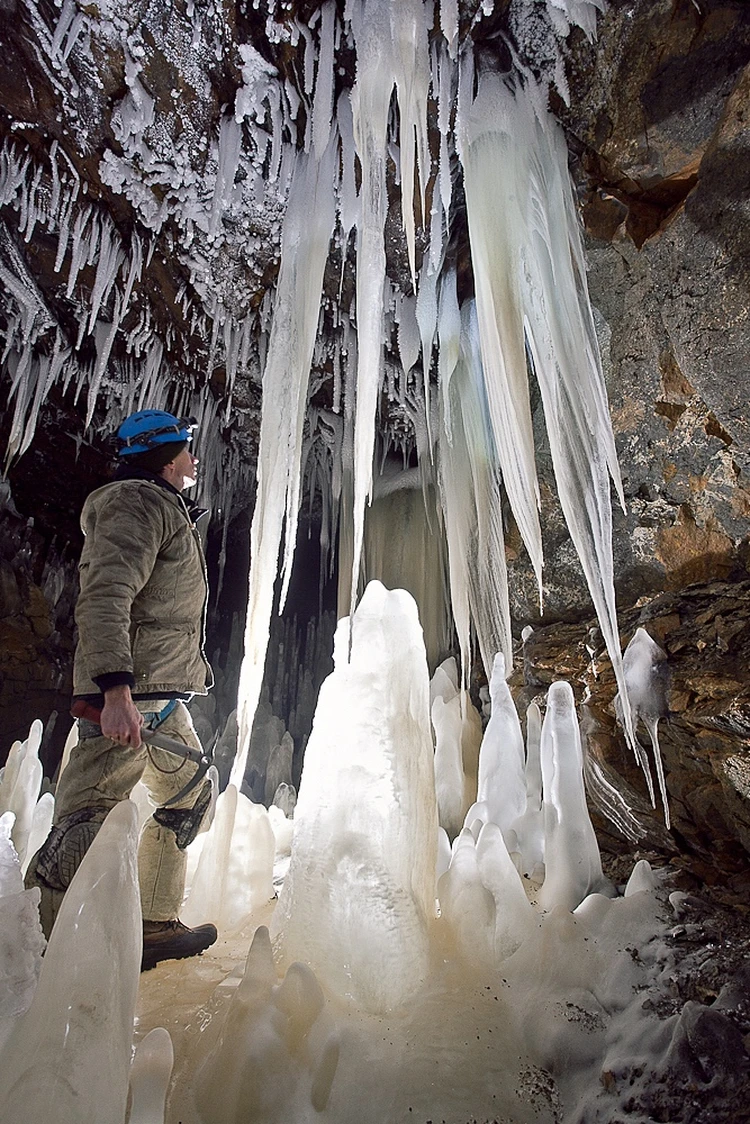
(409, 27)
(359, 896)
(68, 1057)
(308, 227)
(531, 293)
(471, 498)
(489, 153)
(370, 98)
(402, 550)
(647, 680)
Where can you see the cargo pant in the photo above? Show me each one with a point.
(98, 776)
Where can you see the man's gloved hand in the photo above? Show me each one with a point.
(120, 720)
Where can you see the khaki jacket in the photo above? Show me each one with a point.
(142, 606)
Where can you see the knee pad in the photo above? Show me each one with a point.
(67, 843)
(185, 822)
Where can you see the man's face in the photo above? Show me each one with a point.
(182, 472)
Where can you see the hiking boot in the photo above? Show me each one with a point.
(171, 940)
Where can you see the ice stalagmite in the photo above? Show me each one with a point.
(450, 783)
(20, 782)
(234, 875)
(573, 867)
(277, 1050)
(21, 939)
(529, 829)
(149, 1077)
(308, 226)
(359, 897)
(68, 1059)
(502, 785)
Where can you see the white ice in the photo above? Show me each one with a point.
(573, 866)
(502, 783)
(308, 225)
(360, 891)
(646, 671)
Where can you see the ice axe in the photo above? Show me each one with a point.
(85, 710)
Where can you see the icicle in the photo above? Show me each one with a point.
(79, 251)
(646, 677)
(370, 103)
(349, 205)
(110, 259)
(323, 102)
(409, 30)
(493, 163)
(449, 24)
(472, 507)
(308, 225)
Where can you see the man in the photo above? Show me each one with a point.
(141, 620)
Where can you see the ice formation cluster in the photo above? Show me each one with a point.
(493, 973)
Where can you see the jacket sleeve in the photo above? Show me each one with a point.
(123, 539)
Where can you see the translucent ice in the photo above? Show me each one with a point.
(149, 1077)
(359, 897)
(451, 785)
(69, 1056)
(21, 939)
(234, 875)
(466, 905)
(276, 1054)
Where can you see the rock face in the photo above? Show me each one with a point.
(704, 631)
(119, 118)
(657, 126)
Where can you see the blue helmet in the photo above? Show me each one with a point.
(147, 429)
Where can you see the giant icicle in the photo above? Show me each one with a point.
(308, 227)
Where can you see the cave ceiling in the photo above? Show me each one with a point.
(145, 128)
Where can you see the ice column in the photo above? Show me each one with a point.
(69, 1057)
(359, 896)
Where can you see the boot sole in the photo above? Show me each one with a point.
(149, 962)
